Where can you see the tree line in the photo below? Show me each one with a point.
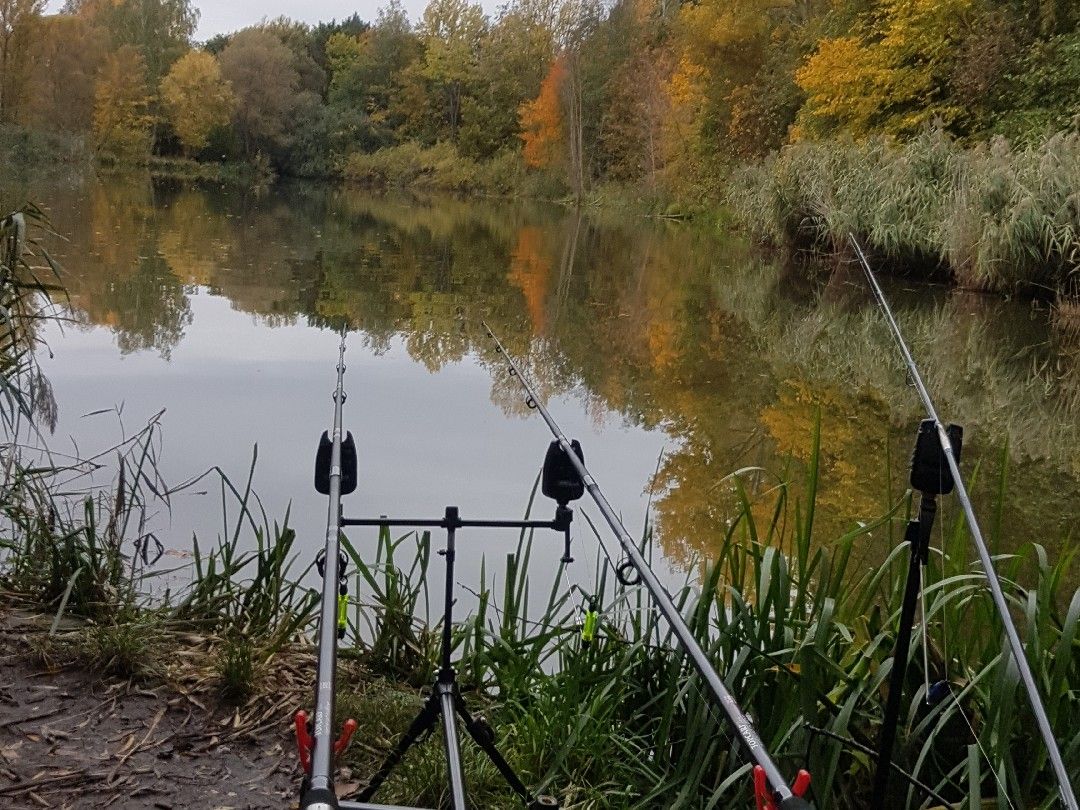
(653, 93)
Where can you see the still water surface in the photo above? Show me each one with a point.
(676, 355)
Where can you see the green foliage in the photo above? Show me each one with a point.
(452, 33)
(366, 75)
(124, 646)
(251, 593)
(443, 167)
(30, 150)
(1041, 96)
(400, 644)
(235, 666)
(513, 58)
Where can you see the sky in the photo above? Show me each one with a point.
(220, 17)
(223, 16)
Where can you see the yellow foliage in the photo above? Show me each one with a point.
(685, 84)
(681, 127)
(715, 25)
(843, 81)
(197, 98)
(894, 76)
(121, 102)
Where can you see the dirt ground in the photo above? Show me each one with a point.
(69, 739)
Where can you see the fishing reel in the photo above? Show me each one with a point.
(561, 481)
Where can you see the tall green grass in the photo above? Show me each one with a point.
(994, 216)
(82, 549)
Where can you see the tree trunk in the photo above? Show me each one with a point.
(574, 137)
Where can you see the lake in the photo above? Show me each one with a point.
(677, 354)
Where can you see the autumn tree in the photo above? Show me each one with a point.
(19, 24)
(624, 96)
(63, 68)
(630, 139)
(542, 126)
(160, 30)
(196, 98)
(366, 72)
(122, 122)
(891, 73)
(452, 31)
(298, 38)
(576, 27)
(260, 70)
(726, 67)
(320, 33)
(514, 57)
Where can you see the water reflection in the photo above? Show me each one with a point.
(668, 326)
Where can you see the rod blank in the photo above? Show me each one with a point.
(321, 782)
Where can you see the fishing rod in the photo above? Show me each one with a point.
(950, 456)
(771, 788)
(335, 475)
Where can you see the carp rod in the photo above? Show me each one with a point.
(770, 786)
(317, 746)
(950, 456)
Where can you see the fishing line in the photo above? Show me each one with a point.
(1003, 791)
(944, 622)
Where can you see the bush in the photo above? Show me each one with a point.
(42, 150)
(441, 167)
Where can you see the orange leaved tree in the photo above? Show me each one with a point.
(541, 119)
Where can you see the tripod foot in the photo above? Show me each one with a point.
(544, 803)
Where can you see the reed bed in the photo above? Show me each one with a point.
(992, 217)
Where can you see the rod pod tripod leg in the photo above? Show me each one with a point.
(446, 703)
(917, 535)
